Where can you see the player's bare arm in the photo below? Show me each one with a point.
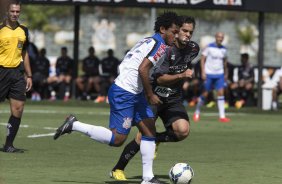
(144, 71)
(225, 69)
(27, 71)
(203, 60)
(168, 79)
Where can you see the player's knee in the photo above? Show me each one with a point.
(119, 140)
(183, 134)
(17, 111)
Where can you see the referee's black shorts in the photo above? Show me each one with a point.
(170, 112)
(12, 83)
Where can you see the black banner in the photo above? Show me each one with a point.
(239, 5)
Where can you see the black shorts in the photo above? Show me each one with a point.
(170, 112)
(12, 84)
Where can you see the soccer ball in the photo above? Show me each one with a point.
(181, 173)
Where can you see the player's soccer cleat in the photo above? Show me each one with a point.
(66, 98)
(210, 104)
(12, 149)
(66, 127)
(154, 180)
(118, 175)
(239, 104)
(196, 117)
(226, 105)
(100, 99)
(156, 150)
(224, 120)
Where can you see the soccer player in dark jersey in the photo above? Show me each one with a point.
(40, 73)
(15, 72)
(243, 89)
(108, 72)
(167, 81)
(91, 78)
(64, 72)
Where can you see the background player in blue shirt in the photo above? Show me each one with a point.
(214, 73)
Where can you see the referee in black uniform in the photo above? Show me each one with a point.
(15, 72)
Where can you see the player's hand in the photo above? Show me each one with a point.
(188, 73)
(28, 84)
(154, 100)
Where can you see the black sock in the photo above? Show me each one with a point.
(12, 128)
(128, 153)
(167, 136)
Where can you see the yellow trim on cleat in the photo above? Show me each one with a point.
(118, 175)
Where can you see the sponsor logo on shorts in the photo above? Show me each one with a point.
(127, 123)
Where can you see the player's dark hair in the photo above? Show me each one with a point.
(188, 20)
(166, 20)
(245, 55)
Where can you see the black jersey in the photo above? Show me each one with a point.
(246, 72)
(174, 61)
(90, 66)
(41, 65)
(64, 65)
(110, 66)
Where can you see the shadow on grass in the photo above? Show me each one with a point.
(73, 181)
(137, 179)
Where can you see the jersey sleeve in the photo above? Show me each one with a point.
(157, 50)
(26, 43)
(162, 67)
(192, 51)
(205, 51)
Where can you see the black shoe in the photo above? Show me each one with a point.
(12, 149)
(66, 127)
(154, 180)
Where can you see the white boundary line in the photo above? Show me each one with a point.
(207, 114)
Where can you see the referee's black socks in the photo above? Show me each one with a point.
(12, 130)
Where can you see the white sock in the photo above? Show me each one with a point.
(147, 149)
(220, 104)
(274, 105)
(98, 133)
(201, 101)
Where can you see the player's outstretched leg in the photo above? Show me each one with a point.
(66, 127)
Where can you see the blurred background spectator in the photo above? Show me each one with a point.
(108, 70)
(90, 80)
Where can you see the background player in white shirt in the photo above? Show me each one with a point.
(127, 99)
(214, 74)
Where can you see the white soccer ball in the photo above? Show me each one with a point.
(181, 173)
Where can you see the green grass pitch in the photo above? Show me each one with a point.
(246, 151)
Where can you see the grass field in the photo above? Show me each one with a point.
(247, 151)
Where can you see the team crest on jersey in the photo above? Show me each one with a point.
(127, 123)
(20, 44)
(160, 52)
